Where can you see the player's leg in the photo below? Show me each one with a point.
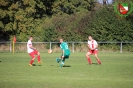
(33, 58)
(38, 56)
(96, 56)
(62, 61)
(65, 57)
(59, 59)
(88, 57)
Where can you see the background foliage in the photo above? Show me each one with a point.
(73, 20)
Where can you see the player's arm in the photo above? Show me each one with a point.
(96, 45)
(32, 47)
(62, 53)
(92, 48)
(89, 47)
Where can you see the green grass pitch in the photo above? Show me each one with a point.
(116, 71)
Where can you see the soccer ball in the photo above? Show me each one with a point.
(49, 51)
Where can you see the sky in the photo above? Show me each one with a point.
(109, 1)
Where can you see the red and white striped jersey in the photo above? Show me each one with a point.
(29, 50)
(92, 43)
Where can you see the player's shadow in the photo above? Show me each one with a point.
(51, 65)
(35, 65)
(66, 66)
(95, 63)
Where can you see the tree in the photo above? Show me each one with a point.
(19, 18)
(105, 26)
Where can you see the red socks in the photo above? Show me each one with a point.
(31, 61)
(89, 60)
(99, 62)
(38, 58)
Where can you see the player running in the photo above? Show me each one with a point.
(65, 52)
(93, 49)
(32, 51)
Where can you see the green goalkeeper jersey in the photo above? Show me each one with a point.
(64, 46)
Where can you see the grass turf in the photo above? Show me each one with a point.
(116, 71)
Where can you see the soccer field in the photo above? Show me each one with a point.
(116, 71)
